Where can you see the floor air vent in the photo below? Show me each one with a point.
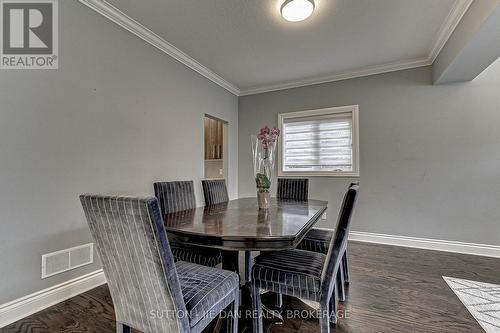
(65, 260)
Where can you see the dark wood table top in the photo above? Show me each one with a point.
(240, 225)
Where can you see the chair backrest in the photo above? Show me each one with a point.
(338, 243)
(175, 196)
(293, 189)
(137, 261)
(215, 191)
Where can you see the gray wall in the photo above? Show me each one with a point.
(115, 117)
(430, 157)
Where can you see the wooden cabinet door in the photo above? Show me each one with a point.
(214, 132)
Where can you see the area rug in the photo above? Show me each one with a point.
(481, 299)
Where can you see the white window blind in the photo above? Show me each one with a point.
(320, 143)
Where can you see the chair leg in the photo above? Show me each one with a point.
(122, 328)
(324, 317)
(232, 321)
(333, 305)
(340, 283)
(257, 310)
(345, 263)
(279, 300)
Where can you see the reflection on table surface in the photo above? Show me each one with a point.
(242, 218)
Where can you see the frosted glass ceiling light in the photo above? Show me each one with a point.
(297, 10)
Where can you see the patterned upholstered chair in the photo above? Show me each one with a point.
(179, 196)
(150, 292)
(318, 240)
(305, 274)
(215, 191)
(296, 189)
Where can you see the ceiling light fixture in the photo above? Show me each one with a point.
(297, 10)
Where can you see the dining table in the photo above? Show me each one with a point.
(240, 226)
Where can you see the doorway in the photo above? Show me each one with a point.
(216, 152)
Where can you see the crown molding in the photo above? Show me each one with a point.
(366, 71)
(114, 14)
(117, 16)
(450, 23)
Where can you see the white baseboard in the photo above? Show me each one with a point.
(485, 250)
(426, 243)
(27, 305)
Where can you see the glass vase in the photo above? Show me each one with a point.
(263, 167)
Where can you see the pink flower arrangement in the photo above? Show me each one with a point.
(268, 136)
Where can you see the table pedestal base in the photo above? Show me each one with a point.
(230, 262)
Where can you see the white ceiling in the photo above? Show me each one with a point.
(250, 47)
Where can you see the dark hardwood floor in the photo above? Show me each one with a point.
(393, 289)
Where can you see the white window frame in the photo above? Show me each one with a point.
(354, 110)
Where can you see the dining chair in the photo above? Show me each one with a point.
(305, 274)
(318, 240)
(293, 189)
(179, 196)
(215, 191)
(151, 292)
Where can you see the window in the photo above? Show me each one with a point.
(319, 142)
